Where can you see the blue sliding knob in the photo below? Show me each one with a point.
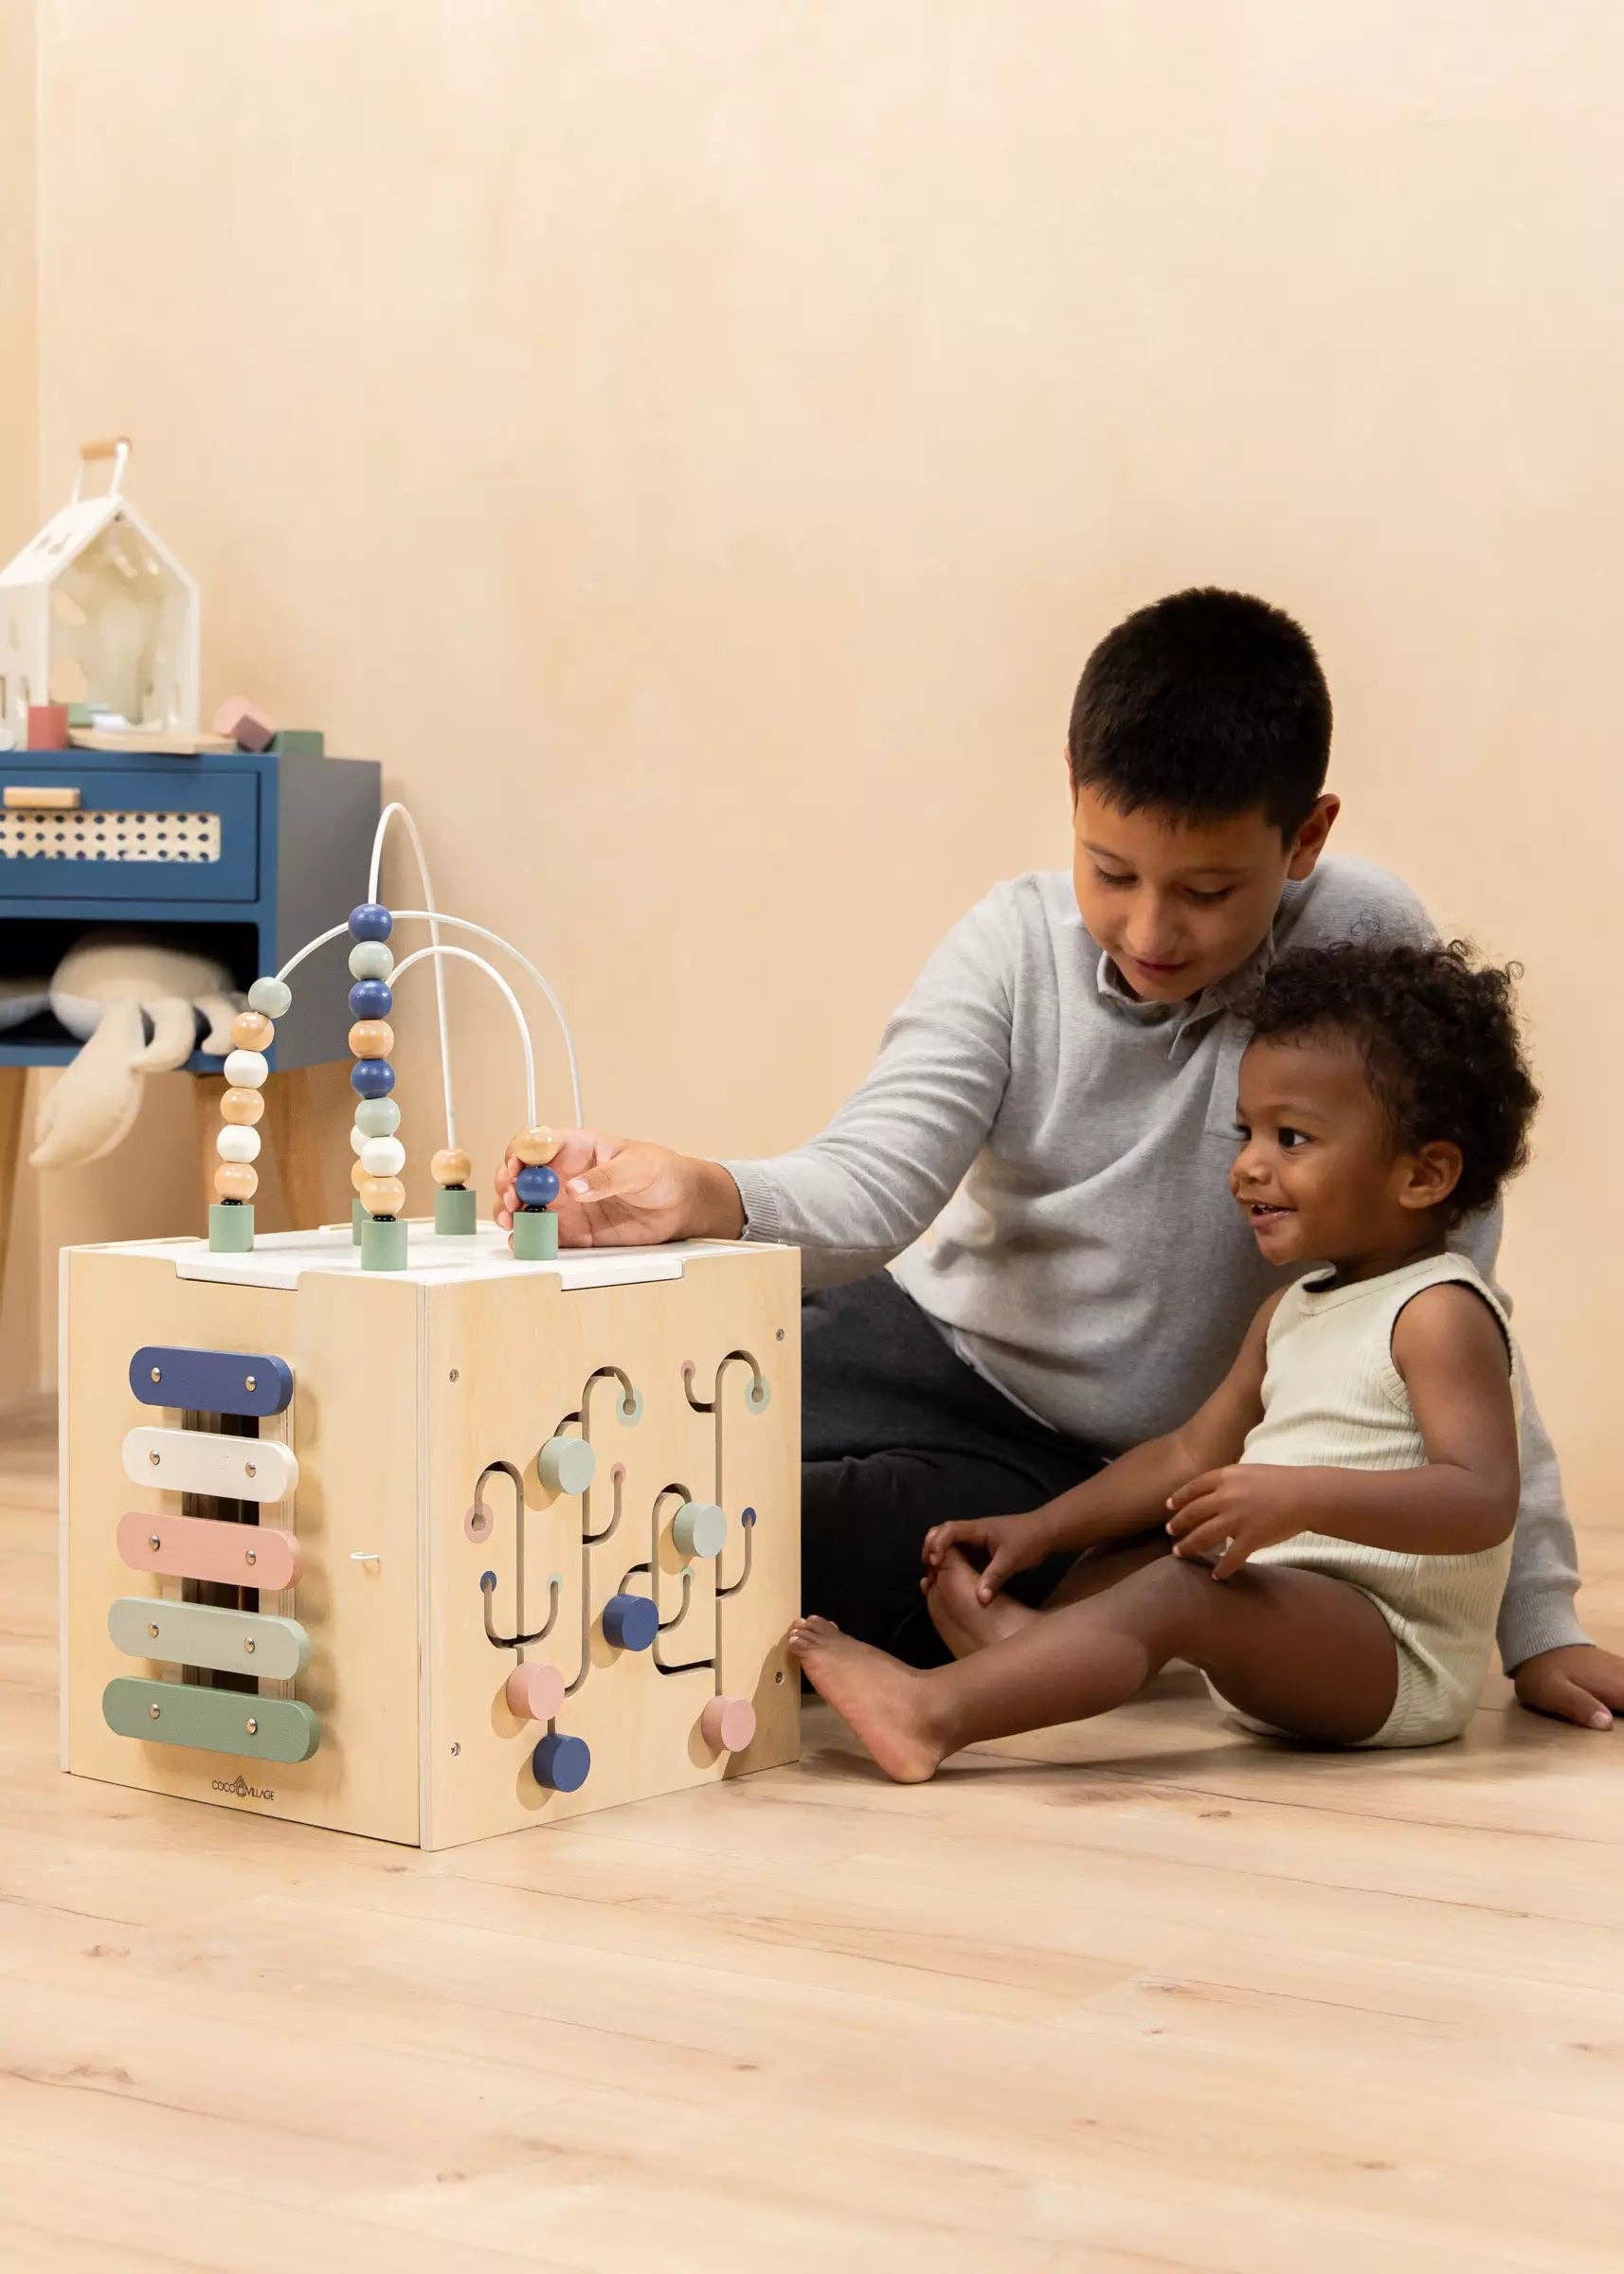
(699, 1528)
(630, 1621)
(561, 1763)
(566, 1464)
(536, 1187)
(370, 922)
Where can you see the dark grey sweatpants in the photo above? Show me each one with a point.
(898, 1434)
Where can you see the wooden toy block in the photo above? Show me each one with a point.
(248, 728)
(47, 727)
(521, 1541)
(299, 742)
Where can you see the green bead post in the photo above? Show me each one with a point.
(383, 1244)
(456, 1211)
(535, 1236)
(231, 1228)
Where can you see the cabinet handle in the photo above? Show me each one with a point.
(43, 797)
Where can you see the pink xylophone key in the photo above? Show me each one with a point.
(201, 1547)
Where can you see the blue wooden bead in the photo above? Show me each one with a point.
(560, 1763)
(536, 1187)
(372, 1077)
(371, 999)
(630, 1622)
(370, 922)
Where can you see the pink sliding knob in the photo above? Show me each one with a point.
(534, 1692)
(727, 1725)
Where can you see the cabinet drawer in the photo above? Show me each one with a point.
(100, 835)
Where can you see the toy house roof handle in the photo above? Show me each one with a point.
(117, 447)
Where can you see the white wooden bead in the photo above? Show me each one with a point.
(358, 1138)
(236, 1143)
(383, 1156)
(246, 1068)
(371, 959)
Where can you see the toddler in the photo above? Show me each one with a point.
(1341, 1509)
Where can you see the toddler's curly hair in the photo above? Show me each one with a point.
(1439, 1036)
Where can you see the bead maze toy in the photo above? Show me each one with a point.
(385, 1528)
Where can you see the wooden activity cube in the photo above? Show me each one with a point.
(531, 1530)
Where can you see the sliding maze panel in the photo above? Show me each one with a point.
(507, 1362)
(350, 1431)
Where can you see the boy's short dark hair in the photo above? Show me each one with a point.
(1438, 1037)
(1206, 705)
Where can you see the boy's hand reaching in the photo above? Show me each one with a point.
(623, 1192)
(1228, 1514)
(1008, 1544)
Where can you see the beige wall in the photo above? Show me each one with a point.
(695, 447)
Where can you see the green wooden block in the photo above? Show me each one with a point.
(535, 1236)
(81, 714)
(232, 1642)
(299, 742)
(383, 1244)
(358, 1221)
(232, 1227)
(210, 1721)
(457, 1211)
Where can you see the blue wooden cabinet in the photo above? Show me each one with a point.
(241, 857)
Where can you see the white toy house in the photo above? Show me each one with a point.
(96, 609)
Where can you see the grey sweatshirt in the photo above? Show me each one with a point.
(1070, 1146)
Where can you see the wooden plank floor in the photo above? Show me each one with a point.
(1140, 1996)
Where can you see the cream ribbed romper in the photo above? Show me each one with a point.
(1332, 1399)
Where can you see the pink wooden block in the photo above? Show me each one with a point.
(535, 1692)
(727, 1725)
(249, 729)
(47, 727)
(200, 1547)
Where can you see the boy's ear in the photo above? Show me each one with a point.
(1309, 842)
(1430, 1175)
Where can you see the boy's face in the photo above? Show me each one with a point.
(1318, 1176)
(1176, 904)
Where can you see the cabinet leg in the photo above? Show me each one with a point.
(13, 1082)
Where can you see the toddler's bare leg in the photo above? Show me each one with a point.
(965, 1623)
(1293, 1648)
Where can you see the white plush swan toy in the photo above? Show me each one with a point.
(139, 1007)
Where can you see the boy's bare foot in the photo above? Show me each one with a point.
(957, 1612)
(882, 1700)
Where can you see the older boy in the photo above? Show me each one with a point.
(1057, 1097)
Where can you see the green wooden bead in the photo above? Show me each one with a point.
(377, 1116)
(567, 1464)
(371, 959)
(270, 996)
(699, 1528)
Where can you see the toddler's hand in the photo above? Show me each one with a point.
(1230, 1514)
(1008, 1544)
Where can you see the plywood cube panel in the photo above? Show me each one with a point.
(420, 1403)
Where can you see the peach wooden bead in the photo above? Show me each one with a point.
(244, 1106)
(451, 1168)
(358, 1175)
(252, 1030)
(382, 1196)
(535, 1148)
(236, 1181)
(371, 1038)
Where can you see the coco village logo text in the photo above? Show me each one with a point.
(243, 1789)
